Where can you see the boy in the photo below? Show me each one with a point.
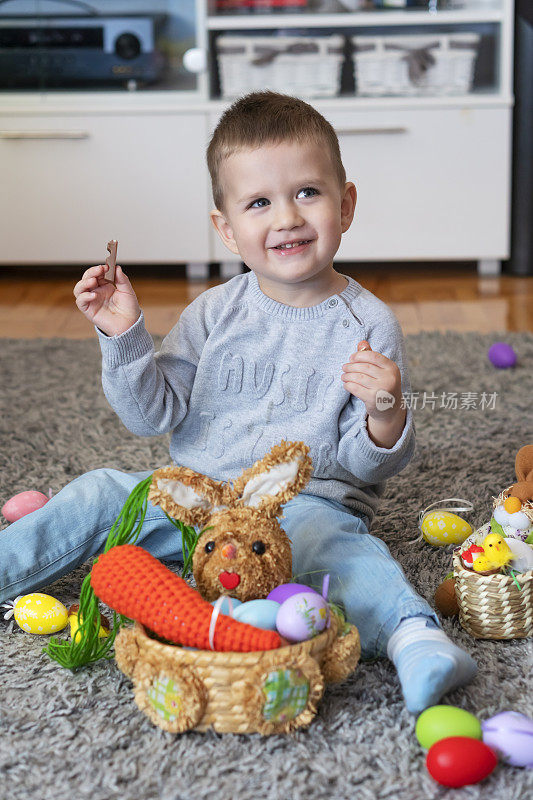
(269, 355)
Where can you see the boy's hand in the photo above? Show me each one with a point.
(377, 381)
(112, 307)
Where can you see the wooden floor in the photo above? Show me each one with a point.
(39, 303)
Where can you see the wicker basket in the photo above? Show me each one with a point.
(307, 66)
(492, 606)
(270, 691)
(387, 65)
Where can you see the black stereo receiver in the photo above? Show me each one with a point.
(78, 51)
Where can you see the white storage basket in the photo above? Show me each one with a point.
(410, 65)
(306, 66)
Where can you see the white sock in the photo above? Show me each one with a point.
(428, 664)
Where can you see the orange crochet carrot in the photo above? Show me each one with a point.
(134, 583)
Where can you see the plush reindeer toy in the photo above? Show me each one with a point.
(243, 551)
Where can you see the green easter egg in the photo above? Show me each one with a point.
(440, 722)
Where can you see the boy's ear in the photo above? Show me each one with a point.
(224, 230)
(348, 206)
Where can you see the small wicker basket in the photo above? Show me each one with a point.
(383, 65)
(307, 66)
(492, 606)
(269, 691)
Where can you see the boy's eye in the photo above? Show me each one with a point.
(307, 189)
(261, 200)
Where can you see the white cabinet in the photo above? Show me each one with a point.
(71, 183)
(429, 183)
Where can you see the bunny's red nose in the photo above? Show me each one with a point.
(229, 551)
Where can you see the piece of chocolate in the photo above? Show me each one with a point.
(111, 260)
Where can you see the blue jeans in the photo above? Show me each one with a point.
(326, 538)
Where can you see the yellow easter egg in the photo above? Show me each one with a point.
(440, 528)
(40, 613)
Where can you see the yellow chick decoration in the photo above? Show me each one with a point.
(75, 624)
(496, 555)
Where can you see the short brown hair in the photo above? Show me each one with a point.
(268, 118)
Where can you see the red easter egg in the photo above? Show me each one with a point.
(459, 761)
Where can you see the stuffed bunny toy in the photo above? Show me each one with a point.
(513, 508)
(242, 550)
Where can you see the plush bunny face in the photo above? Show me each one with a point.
(246, 553)
(243, 555)
(513, 508)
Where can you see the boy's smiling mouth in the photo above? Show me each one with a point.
(292, 247)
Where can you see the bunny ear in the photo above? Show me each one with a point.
(185, 495)
(275, 479)
(524, 463)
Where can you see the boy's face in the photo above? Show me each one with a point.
(285, 193)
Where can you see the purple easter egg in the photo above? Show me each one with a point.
(302, 616)
(511, 734)
(502, 355)
(286, 590)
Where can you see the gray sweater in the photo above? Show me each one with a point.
(239, 372)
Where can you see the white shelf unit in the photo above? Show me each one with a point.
(433, 172)
(360, 18)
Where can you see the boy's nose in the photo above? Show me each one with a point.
(288, 217)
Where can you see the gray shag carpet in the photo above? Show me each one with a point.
(65, 735)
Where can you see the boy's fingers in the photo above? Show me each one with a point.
(359, 389)
(119, 276)
(363, 345)
(84, 300)
(93, 272)
(362, 369)
(84, 285)
(359, 378)
(369, 357)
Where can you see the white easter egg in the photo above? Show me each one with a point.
(522, 560)
(259, 613)
(40, 613)
(440, 528)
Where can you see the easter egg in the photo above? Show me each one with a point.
(286, 590)
(302, 616)
(23, 503)
(259, 613)
(510, 734)
(502, 355)
(40, 613)
(460, 761)
(441, 722)
(225, 606)
(522, 559)
(445, 598)
(440, 528)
